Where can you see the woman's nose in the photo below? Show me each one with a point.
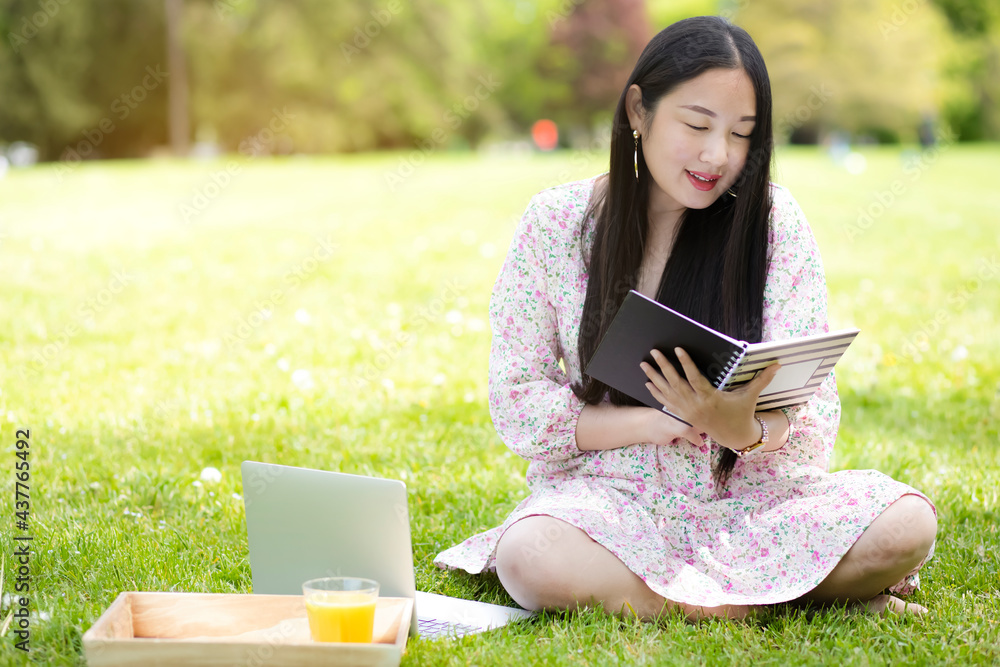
(715, 152)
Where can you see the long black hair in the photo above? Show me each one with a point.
(718, 263)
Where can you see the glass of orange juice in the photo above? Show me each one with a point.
(341, 609)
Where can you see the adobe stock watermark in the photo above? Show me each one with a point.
(562, 12)
(544, 540)
(30, 27)
(226, 8)
(818, 96)
(596, 149)
(162, 409)
(272, 637)
(883, 200)
(731, 9)
(453, 119)
(264, 307)
(364, 34)
(901, 13)
(885, 544)
(87, 310)
(121, 108)
(259, 480)
(987, 269)
(221, 178)
(402, 339)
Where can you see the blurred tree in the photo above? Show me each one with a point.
(74, 76)
(89, 79)
(354, 76)
(859, 66)
(664, 12)
(973, 108)
(594, 47)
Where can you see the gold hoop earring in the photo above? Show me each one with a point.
(635, 155)
(730, 192)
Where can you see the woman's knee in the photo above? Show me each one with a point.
(533, 561)
(905, 532)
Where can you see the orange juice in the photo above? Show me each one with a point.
(341, 616)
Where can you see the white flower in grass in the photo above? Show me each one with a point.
(284, 364)
(959, 353)
(303, 379)
(303, 317)
(270, 349)
(211, 475)
(438, 379)
(197, 483)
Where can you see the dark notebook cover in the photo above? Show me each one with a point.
(642, 325)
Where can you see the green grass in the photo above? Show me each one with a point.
(131, 388)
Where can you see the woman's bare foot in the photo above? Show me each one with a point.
(890, 604)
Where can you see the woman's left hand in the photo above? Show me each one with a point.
(726, 416)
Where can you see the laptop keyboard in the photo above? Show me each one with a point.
(429, 627)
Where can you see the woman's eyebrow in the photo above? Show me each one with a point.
(711, 114)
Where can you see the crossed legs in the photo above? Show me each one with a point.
(545, 563)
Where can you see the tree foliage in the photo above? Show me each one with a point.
(75, 77)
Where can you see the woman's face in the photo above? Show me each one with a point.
(698, 139)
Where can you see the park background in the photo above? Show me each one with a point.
(238, 229)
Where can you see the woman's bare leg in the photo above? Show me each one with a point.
(888, 550)
(545, 563)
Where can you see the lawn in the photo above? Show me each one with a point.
(159, 318)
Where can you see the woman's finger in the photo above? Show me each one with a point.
(694, 377)
(761, 380)
(669, 372)
(657, 394)
(658, 380)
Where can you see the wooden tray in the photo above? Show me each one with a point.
(196, 629)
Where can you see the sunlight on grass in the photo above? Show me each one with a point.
(309, 315)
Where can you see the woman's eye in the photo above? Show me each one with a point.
(742, 136)
(694, 127)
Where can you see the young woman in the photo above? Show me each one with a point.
(631, 509)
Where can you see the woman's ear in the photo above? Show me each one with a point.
(633, 107)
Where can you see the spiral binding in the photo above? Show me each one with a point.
(727, 371)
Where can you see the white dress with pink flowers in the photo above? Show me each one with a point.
(783, 521)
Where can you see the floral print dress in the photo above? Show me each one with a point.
(781, 524)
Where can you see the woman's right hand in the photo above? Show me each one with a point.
(664, 429)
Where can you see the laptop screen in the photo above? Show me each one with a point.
(303, 524)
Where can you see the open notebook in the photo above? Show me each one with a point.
(643, 324)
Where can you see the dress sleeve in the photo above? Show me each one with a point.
(532, 405)
(795, 305)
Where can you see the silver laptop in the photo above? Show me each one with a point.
(303, 524)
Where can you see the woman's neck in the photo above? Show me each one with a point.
(663, 214)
